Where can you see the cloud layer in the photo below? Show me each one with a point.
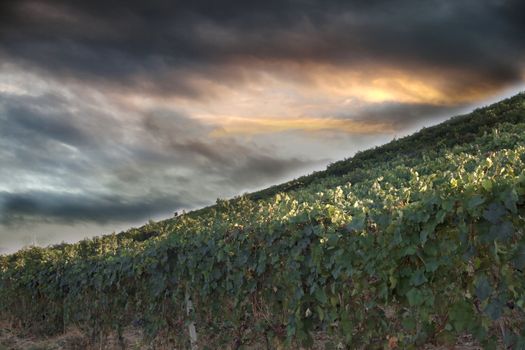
(96, 166)
(165, 47)
(118, 111)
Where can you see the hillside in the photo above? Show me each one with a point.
(419, 241)
(455, 131)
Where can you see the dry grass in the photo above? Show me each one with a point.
(13, 339)
(73, 339)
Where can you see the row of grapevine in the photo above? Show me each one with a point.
(421, 250)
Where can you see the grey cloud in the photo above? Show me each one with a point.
(161, 45)
(48, 137)
(25, 118)
(184, 140)
(402, 115)
(71, 208)
(156, 163)
(259, 168)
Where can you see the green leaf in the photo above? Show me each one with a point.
(440, 216)
(494, 213)
(320, 295)
(502, 231)
(431, 265)
(427, 230)
(487, 185)
(483, 288)
(261, 265)
(494, 309)
(461, 315)
(519, 257)
(357, 223)
(347, 327)
(409, 323)
(320, 313)
(475, 201)
(418, 278)
(410, 250)
(510, 198)
(415, 297)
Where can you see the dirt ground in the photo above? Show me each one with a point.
(74, 339)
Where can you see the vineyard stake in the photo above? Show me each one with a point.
(191, 325)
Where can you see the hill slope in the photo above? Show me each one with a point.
(417, 241)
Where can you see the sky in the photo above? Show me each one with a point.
(116, 112)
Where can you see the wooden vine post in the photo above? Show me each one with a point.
(191, 326)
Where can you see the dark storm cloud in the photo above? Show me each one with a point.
(402, 115)
(161, 45)
(34, 119)
(47, 135)
(260, 167)
(71, 208)
(185, 140)
(97, 169)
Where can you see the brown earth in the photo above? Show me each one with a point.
(74, 339)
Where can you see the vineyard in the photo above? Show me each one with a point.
(415, 242)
